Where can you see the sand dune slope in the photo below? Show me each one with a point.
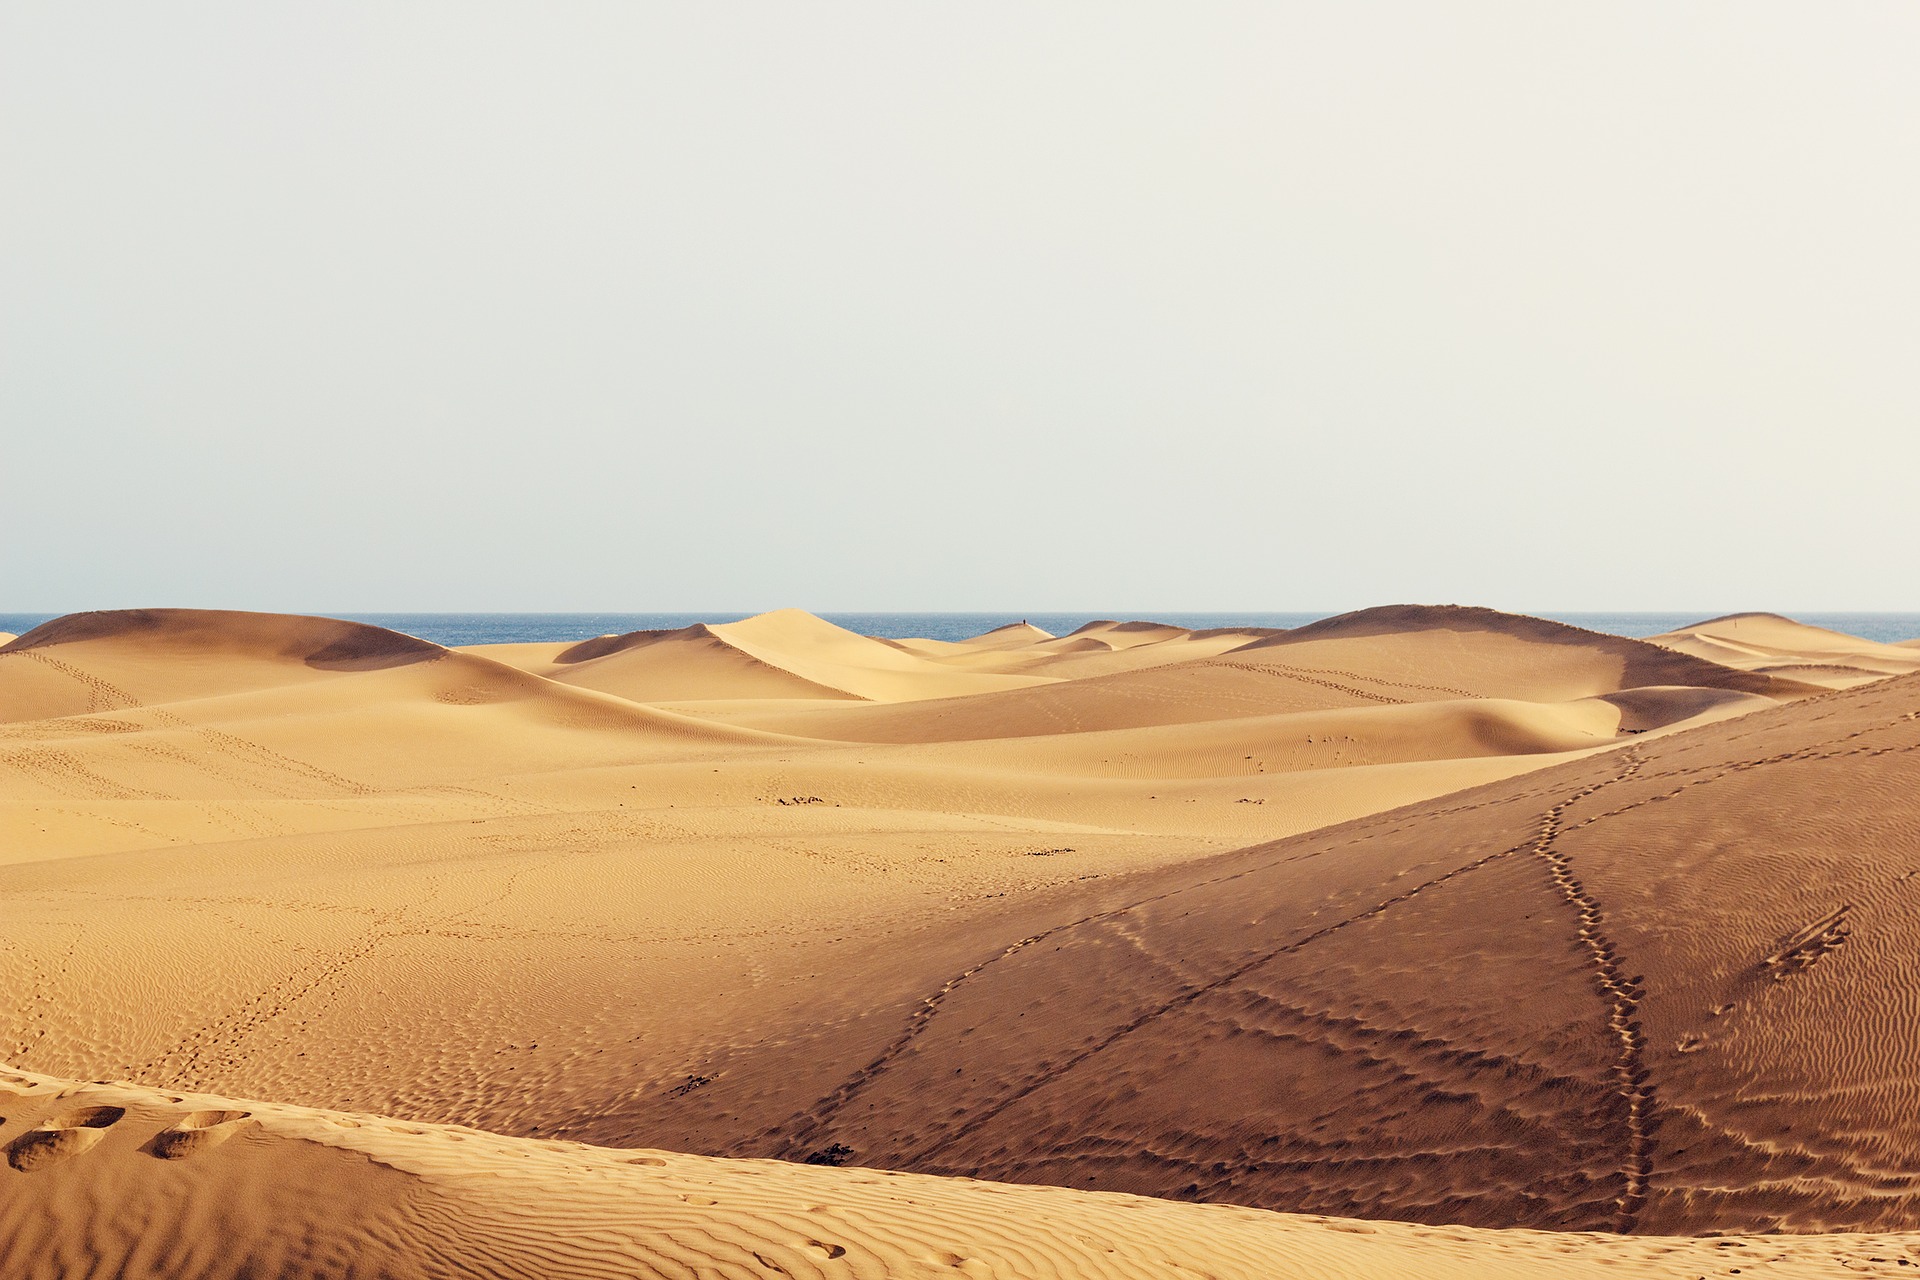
(1353, 737)
(1415, 651)
(1770, 644)
(1010, 636)
(1126, 635)
(88, 662)
(113, 1180)
(1665, 989)
(1378, 657)
(1177, 693)
(692, 664)
(127, 660)
(1097, 649)
(785, 654)
(816, 650)
(168, 727)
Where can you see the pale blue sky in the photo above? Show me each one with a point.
(642, 306)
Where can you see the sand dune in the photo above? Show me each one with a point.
(1010, 907)
(87, 662)
(1092, 657)
(694, 664)
(1770, 644)
(1011, 634)
(143, 1185)
(1662, 989)
(1357, 660)
(197, 728)
(796, 641)
(1097, 649)
(1014, 635)
(1393, 651)
(1126, 635)
(786, 654)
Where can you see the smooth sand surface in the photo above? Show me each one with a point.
(1427, 914)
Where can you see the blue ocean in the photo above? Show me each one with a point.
(519, 628)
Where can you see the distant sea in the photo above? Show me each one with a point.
(521, 628)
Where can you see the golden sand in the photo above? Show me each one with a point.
(1416, 916)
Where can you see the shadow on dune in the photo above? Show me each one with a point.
(373, 649)
(601, 646)
(1643, 663)
(327, 644)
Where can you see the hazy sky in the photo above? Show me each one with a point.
(703, 305)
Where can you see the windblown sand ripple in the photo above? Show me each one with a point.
(290, 1191)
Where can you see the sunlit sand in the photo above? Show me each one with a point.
(1420, 941)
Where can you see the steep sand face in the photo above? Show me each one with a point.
(182, 1187)
(1663, 989)
(1773, 645)
(994, 932)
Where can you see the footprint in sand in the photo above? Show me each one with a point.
(196, 1133)
(61, 1136)
(965, 1265)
